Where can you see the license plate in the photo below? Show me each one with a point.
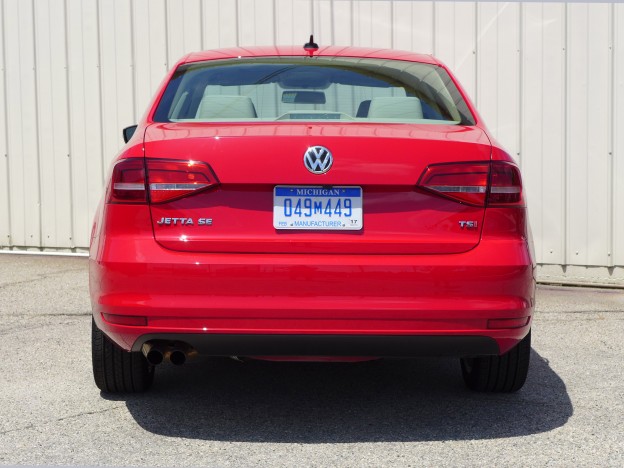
(319, 208)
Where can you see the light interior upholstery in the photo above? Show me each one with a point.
(226, 107)
(395, 108)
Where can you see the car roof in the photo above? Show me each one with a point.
(290, 51)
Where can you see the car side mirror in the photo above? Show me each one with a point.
(128, 132)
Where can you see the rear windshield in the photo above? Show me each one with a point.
(312, 89)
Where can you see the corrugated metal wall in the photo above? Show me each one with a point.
(547, 77)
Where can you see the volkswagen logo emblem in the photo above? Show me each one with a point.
(318, 159)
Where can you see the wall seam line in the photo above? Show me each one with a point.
(167, 35)
(566, 132)
(611, 150)
(476, 54)
(352, 27)
(6, 127)
(236, 22)
(100, 97)
(587, 106)
(520, 80)
(135, 117)
(202, 39)
(314, 6)
(392, 26)
(333, 23)
(274, 15)
(69, 140)
(542, 145)
(37, 126)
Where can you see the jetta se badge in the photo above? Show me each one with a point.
(184, 221)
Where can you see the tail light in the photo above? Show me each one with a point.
(128, 182)
(463, 182)
(173, 179)
(505, 185)
(496, 184)
(165, 179)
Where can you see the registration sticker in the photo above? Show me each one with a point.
(317, 208)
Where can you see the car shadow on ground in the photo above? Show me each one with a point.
(378, 401)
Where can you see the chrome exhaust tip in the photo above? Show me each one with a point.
(152, 353)
(177, 357)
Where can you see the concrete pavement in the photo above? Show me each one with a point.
(218, 412)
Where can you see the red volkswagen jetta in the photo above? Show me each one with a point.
(320, 204)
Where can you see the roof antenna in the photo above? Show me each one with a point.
(311, 46)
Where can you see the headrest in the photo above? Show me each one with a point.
(395, 108)
(226, 107)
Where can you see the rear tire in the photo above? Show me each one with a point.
(116, 370)
(501, 374)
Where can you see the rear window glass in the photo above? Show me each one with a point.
(312, 89)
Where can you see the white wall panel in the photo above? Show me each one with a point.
(88, 167)
(588, 134)
(256, 22)
(184, 21)
(323, 25)
(116, 72)
(5, 218)
(291, 17)
(343, 22)
(413, 26)
(220, 23)
(548, 79)
(498, 68)
(617, 135)
(543, 125)
(455, 40)
(362, 23)
(53, 124)
(150, 49)
(22, 108)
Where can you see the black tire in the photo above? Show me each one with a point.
(116, 370)
(501, 374)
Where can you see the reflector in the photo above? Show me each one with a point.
(130, 320)
(508, 323)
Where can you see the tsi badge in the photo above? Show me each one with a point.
(468, 224)
(184, 222)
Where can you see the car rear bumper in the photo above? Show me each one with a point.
(329, 345)
(477, 298)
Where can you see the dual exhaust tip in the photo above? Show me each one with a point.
(176, 353)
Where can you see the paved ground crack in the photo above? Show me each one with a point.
(64, 418)
(42, 277)
(63, 314)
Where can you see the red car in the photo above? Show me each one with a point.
(333, 203)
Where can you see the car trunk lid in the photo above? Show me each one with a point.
(385, 160)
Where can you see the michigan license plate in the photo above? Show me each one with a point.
(315, 207)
